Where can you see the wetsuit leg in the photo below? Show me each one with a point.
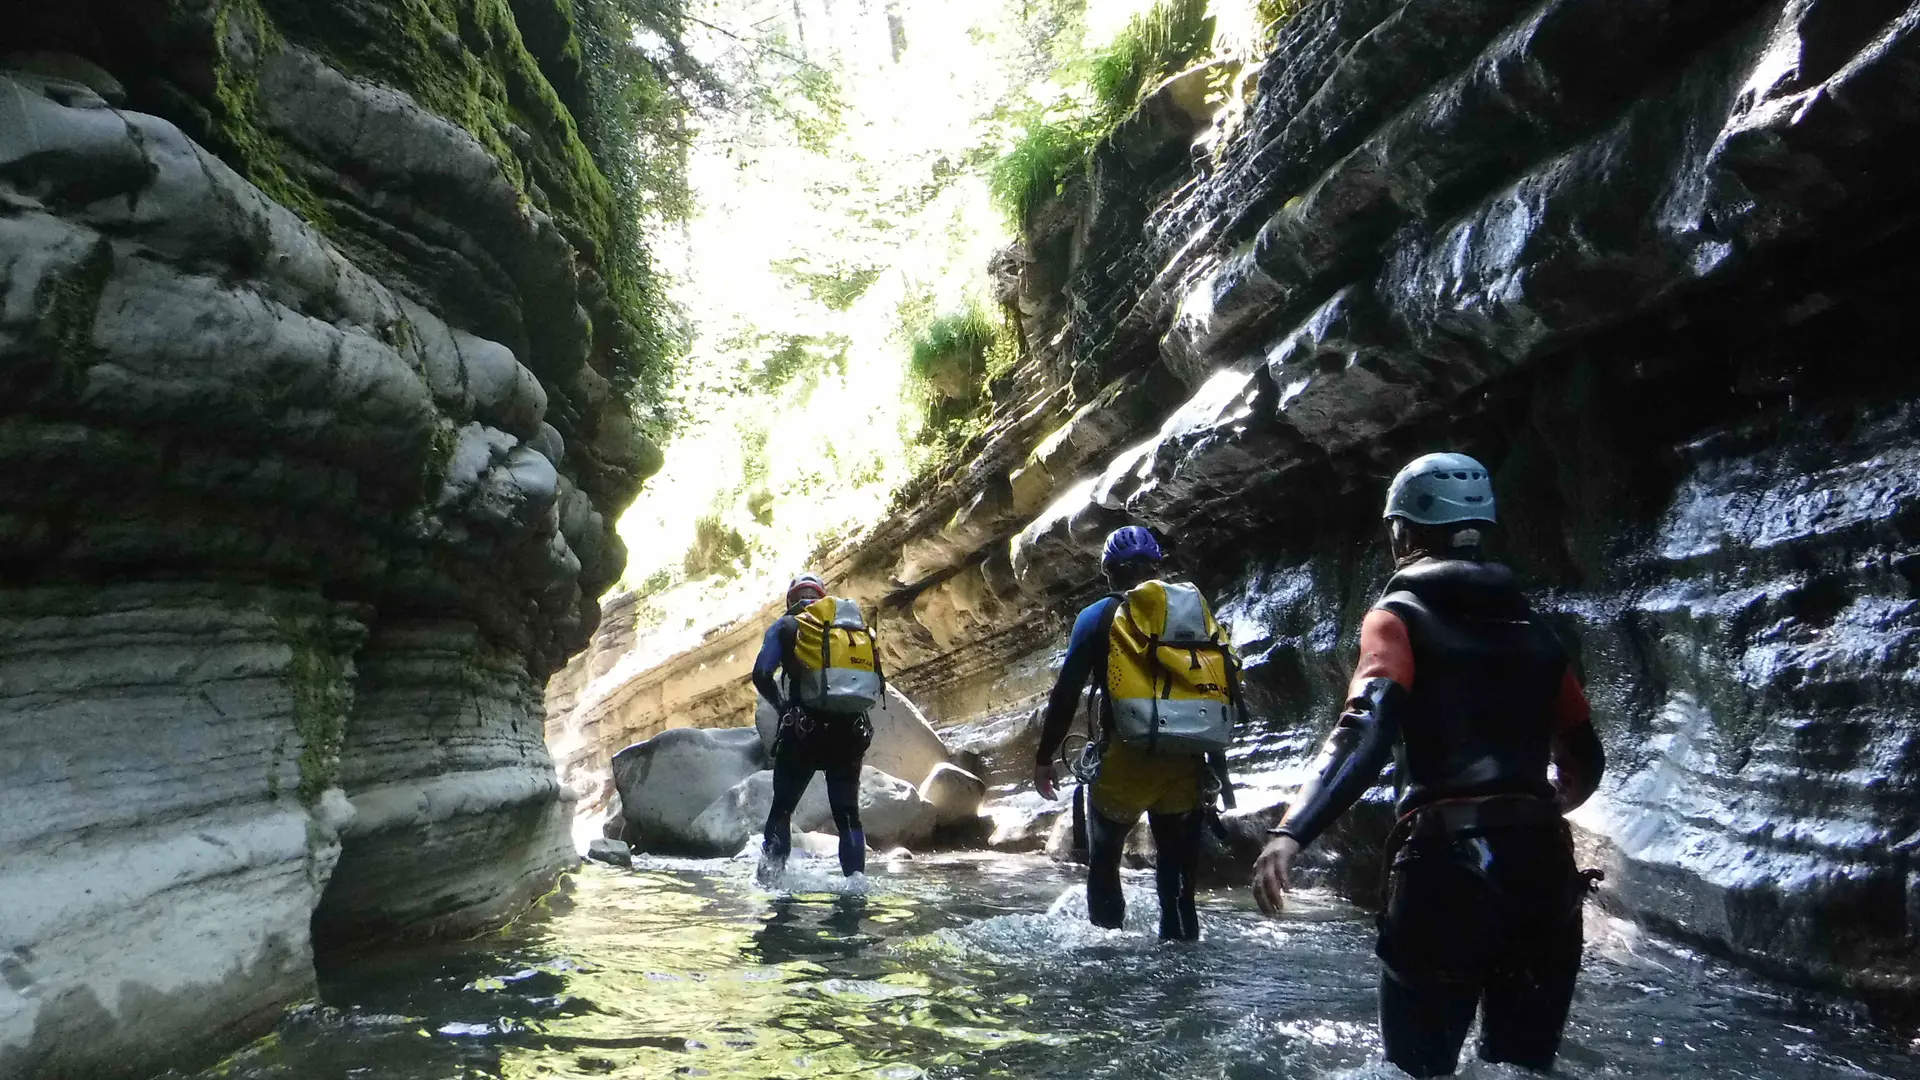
(843, 796)
(1436, 939)
(790, 778)
(1530, 985)
(1106, 904)
(1176, 842)
(1526, 1010)
(1423, 1024)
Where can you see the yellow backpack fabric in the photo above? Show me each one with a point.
(839, 671)
(1172, 679)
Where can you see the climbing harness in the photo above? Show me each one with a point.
(1468, 819)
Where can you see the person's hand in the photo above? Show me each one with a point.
(1043, 781)
(1273, 874)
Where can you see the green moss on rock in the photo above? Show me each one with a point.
(68, 304)
(465, 60)
(320, 676)
(242, 33)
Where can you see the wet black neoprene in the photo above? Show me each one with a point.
(1480, 719)
(834, 746)
(1176, 841)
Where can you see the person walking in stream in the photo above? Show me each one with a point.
(818, 669)
(1166, 701)
(1475, 699)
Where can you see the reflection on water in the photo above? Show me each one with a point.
(973, 967)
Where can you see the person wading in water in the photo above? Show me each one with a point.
(818, 669)
(1168, 700)
(1474, 698)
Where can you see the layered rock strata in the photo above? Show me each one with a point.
(1648, 260)
(311, 447)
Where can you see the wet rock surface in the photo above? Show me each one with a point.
(1650, 261)
(313, 446)
(667, 782)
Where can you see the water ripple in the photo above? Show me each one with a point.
(951, 967)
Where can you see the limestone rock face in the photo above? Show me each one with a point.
(313, 453)
(220, 705)
(1650, 261)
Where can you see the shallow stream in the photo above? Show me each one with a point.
(978, 966)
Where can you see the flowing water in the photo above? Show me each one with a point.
(975, 966)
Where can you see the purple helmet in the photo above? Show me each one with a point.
(1130, 544)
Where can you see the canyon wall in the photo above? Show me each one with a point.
(1647, 259)
(318, 402)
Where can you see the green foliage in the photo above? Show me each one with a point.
(815, 108)
(1002, 355)
(836, 287)
(641, 88)
(763, 79)
(1051, 147)
(718, 549)
(1155, 44)
(1045, 156)
(1274, 12)
(767, 362)
(657, 582)
(952, 360)
(318, 675)
(954, 343)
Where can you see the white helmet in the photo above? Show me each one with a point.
(1441, 489)
(804, 584)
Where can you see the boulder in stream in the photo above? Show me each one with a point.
(611, 852)
(667, 781)
(904, 744)
(1023, 820)
(891, 812)
(954, 793)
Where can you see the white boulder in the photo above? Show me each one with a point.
(954, 793)
(736, 817)
(1023, 821)
(904, 744)
(668, 781)
(892, 813)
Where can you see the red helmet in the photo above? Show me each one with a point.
(806, 586)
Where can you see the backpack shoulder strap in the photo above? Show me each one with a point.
(1097, 716)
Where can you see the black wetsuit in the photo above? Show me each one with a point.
(808, 742)
(1483, 907)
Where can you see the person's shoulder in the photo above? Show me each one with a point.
(1098, 609)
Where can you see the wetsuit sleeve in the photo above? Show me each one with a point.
(1362, 739)
(1578, 757)
(1085, 649)
(772, 651)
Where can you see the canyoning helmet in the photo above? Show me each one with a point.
(1133, 543)
(1441, 489)
(805, 588)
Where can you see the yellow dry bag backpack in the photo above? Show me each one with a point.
(839, 671)
(1172, 679)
